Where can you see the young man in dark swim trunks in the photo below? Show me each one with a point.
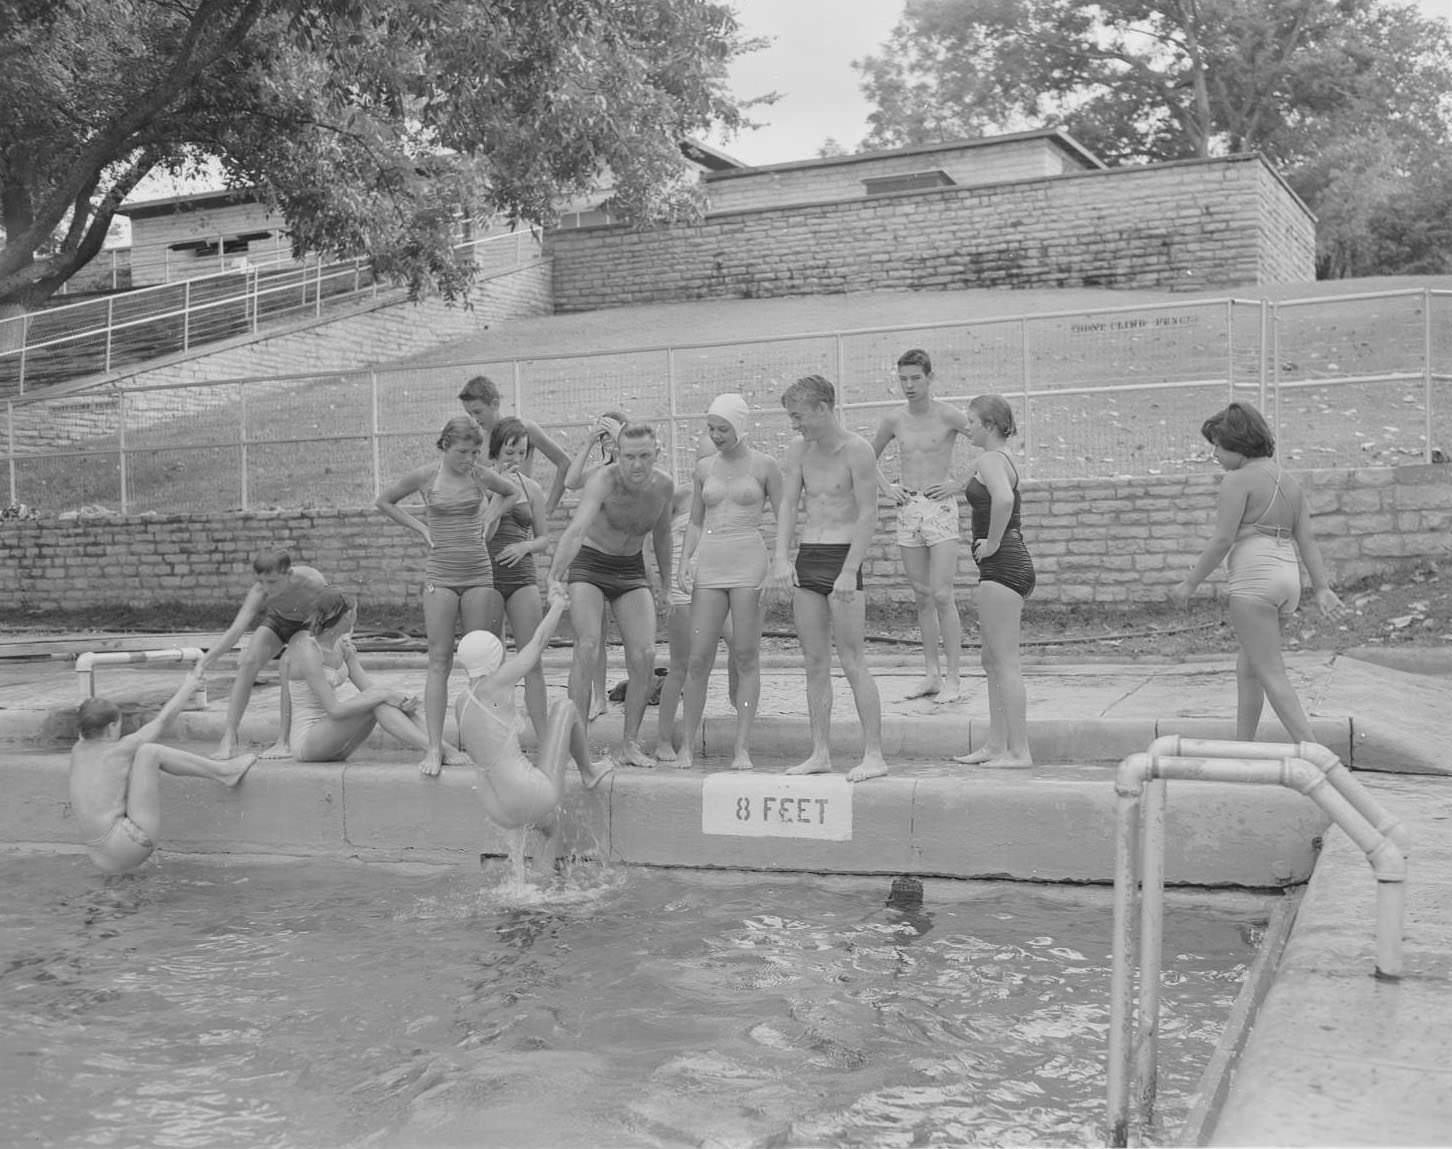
(600, 556)
(835, 472)
(281, 600)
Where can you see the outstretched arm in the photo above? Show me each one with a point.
(152, 730)
(250, 605)
(515, 667)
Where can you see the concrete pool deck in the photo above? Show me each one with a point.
(1334, 1057)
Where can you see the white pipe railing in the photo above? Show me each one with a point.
(1306, 767)
(88, 661)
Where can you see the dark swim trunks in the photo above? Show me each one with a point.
(614, 575)
(284, 628)
(819, 564)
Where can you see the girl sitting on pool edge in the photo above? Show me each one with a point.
(515, 791)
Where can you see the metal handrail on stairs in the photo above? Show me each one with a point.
(1307, 767)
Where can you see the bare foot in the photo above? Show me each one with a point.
(453, 756)
(240, 765)
(632, 755)
(432, 763)
(682, 761)
(279, 749)
(871, 766)
(951, 692)
(1010, 762)
(226, 749)
(665, 752)
(598, 770)
(742, 761)
(598, 706)
(977, 756)
(816, 764)
(925, 689)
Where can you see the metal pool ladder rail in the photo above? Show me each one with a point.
(87, 662)
(1307, 767)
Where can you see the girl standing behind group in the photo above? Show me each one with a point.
(520, 531)
(724, 564)
(458, 578)
(1261, 523)
(1005, 579)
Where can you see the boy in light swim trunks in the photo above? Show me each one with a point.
(926, 431)
(515, 791)
(832, 471)
(115, 791)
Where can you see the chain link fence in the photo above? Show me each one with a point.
(1347, 381)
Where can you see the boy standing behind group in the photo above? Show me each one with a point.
(926, 430)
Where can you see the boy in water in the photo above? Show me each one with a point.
(515, 791)
(115, 788)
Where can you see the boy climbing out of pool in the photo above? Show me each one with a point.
(115, 787)
(515, 791)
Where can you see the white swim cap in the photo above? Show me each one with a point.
(733, 408)
(480, 653)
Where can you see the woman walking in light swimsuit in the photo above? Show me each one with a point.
(724, 564)
(458, 579)
(521, 531)
(1261, 523)
(1005, 579)
(330, 703)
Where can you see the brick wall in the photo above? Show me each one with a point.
(1107, 541)
(1189, 225)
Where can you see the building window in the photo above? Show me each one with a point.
(907, 182)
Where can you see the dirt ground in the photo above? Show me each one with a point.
(1409, 609)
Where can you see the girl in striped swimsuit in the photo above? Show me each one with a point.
(458, 577)
(1005, 579)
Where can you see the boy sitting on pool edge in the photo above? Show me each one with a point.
(115, 781)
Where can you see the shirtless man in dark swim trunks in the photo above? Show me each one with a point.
(600, 557)
(281, 600)
(835, 472)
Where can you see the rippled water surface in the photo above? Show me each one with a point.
(312, 1004)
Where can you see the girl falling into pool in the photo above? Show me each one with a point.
(1261, 523)
(1005, 579)
(515, 791)
(458, 577)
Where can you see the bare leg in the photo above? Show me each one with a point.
(587, 610)
(999, 614)
(1258, 626)
(915, 564)
(666, 744)
(814, 628)
(524, 612)
(733, 685)
(441, 616)
(600, 692)
(744, 653)
(261, 648)
(335, 739)
(143, 790)
(942, 570)
(708, 612)
(409, 730)
(849, 631)
(635, 616)
(1249, 699)
(565, 738)
(282, 748)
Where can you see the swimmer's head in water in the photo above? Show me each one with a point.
(480, 653)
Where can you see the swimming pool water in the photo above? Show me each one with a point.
(210, 1002)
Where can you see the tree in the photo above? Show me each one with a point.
(370, 125)
(1331, 91)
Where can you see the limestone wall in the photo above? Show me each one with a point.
(1190, 225)
(1105, 541)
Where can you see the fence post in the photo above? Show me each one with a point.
(1427, 374)
(187, 315)
(121, 449)
(10, 447)
(1230, 351)
(673, 408)
(1265, 351)
(318, 296)
(110, 318)
(256, 298)
(840, 371)
(373, 429)
(1028, 444)
(24, 321)
(1274, 398)
(242, 440)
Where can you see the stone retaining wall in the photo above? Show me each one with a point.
(1189, 225)
(1103, 541)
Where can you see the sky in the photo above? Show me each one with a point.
(809, 63)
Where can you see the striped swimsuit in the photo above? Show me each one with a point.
(458, 560)
(516, 525)
(1010, 565)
